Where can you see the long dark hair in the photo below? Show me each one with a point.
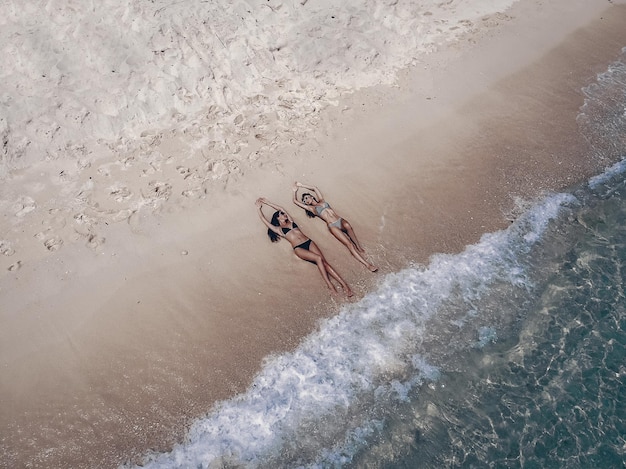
(273, 236)
(308, 212)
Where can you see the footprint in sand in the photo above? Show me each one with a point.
(85, 192)
(42, 234)
(159, 190)
(5, 248)
(183, 171)
(120, 194)
(221, 169)
(127, 162)
(84, 219)
(94, 241)
(104, 171)
(24, 206)
(148, 172)
(54, 243)
(14, 267)
(195, 193)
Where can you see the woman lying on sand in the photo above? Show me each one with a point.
(283, 226)
(339, 227)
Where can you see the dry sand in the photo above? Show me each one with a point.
(114, 340)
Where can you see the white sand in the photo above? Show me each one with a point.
(84, 80)
(138, 285)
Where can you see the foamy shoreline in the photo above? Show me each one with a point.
(110, 345)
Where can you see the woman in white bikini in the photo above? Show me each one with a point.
(339, 227)
(283, 226)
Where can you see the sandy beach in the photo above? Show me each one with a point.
(138, 287)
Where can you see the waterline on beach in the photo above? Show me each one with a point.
(366, 373)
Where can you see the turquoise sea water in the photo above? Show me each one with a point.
(546, 390)
(509, 354)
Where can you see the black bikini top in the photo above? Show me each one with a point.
(287, 230)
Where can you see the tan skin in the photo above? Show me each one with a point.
(296, 238)
(344, 233)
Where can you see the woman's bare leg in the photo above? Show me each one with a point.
(347, 242)
(318, 259)
(345, 225)
(333, 273)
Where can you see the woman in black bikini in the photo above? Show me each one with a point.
(283, 226)
(339, 227)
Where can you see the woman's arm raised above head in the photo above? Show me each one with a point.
(295, 197)
(318, 193)
(259, 203)
(270, 204)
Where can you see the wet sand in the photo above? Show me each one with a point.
(110, 352)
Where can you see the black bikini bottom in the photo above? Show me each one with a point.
(304, 245)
